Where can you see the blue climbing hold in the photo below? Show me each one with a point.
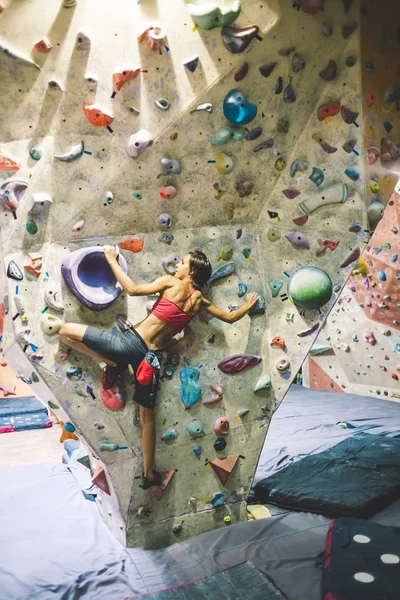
(74, 373)
(388, 126)
(317, 176)
(197, 451)
(242, 289)
(218, 499)
(219, 444)
(221, 272)
(382, 275)
(190, 390)
(238, 109)
(353, 174)
(192, 64)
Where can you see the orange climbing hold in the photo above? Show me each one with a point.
(223, 467)
(158, 490)
(67, 435)
(132, 244)
(328, 110)
(326, 244)
(8, 164)
(120, 78)
(96, 116)
(44, 45)
(370, 98)
(278, 341)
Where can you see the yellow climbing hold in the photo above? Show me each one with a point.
(374, 186)
(226, 253)
(224, 163)
(280, 164)
(194, 27)
(273, 235)
(258, 511)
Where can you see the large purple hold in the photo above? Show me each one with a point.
(238, 362)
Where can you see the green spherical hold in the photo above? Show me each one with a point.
(310, 288)
(31, 227)
(35, 153)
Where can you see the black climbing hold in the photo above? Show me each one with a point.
(279, 85)
(253, 134)
(14, 272)
(330, 71)
(348, 29)
(219, 444)
(288, 94)
(266, 70)
(236, 39)
(192, 64)
(298, 62)
(351, 61)
(272, 214)
(267, 144)
(286, 51)
(388, 126)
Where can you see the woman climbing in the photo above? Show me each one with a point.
(179, 301)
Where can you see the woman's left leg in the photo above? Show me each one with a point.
(72, 334)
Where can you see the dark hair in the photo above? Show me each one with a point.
(200, 268)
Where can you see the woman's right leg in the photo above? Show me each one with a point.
(148, 423)
(72, 335)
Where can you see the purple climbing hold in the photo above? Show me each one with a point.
(236, 39)
(253, 134)
(349, 145)
(266, 70)
(241, 72)
(238, 362)
(299, 239)
(354, 255)
(330, 71)
(291, 193)
(324, 145)
(244, 187)
(347, 29)
(348, 116)
(267, 144)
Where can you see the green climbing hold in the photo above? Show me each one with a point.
(34, 377)
(31, 227)
(136, 194)
(226, 134)
(246, 253)
(226, 253)
(108, 446)
(35, 153)
(275, 285)
(310, 288)
(195, 428)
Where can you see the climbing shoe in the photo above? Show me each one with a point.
(147, 483)
(111, 376)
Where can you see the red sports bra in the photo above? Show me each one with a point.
(171, 314)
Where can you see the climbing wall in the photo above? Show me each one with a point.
(266, 125)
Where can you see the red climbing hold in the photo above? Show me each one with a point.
(112, 398)
(328, 110)
(370, 98)
(301, 220)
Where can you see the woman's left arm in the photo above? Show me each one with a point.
(134, 289)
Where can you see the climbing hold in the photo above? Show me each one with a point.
(78, 225)
(14, 272)
(197, 451)
(354, 255)
(221, 272)
(298, 239)
(351, 61)
(219, 444)
(330, 71)
(31, 227)
(266, 70)
(73, 154)
(369, 65)
(258, 308)
(324, 145)
(163, 104)
(263, 383)
(242, 289)
(138, 142)
(279, 85)
(153, 36)
(282, 364)
(298, 62)
(244, 188)
(177, 528)
(328, 110)
(35, 153)
(82, 41)
(253, 134)
(246, 252)
(275, 285)
(228, 209)
(348, 28)
(119, 78)
(109, 197)
(74, 373)
(169, 264)
(382, 275)
(238, 109)
(353, 174)
(241, 72)
(215, 397)
(40, 203)
(226, 253)
(171, 434)
(310, 7)
(374, 186)
(224, 163)
(52, 292)
(373, 154)
(280, 164)
(267, 144)
(288, 93)
(310, 288)
(17, 56)
(96, 115)
(291, 193)
(297, 165)
(278, 341)
(50, 324)
(132, 244)
(388, 150)
(218, 499)
(327, 30)
(69, 427)
(370, 98)
(334, 195)
(11, 192)
(308, 331)
(221, 426)
(282, 126)
(211, 15)
(369, 337)
(44, 45)
(191, 64)
(236, 39)
(33, 263)
(206, 106)
(54, 85)
(355, 227)
(273, 235)
(349, 145)
(348, 116)
(105, 446)
(170, 166)
(223, 467)
(326, 244)
(300, 220)
(190, 390)
(238, 362)
(272, 214)
(195, 428)
(317, 176)
(226, 134)
(167, 192)
(388, 126)
(136, 194)
(286, 51)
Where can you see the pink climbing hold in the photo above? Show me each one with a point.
(112, 398)
(369, 337)
(221, 426)
(238, 362)
(78, 225)
(167, 192)
(8, 391)
(291, 193)
(214, 398)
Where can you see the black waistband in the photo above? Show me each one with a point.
(132, 330)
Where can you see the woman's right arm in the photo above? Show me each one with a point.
(235, 315)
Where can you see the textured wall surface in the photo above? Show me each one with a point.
(260, 232)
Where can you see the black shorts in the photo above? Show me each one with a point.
(127, 348)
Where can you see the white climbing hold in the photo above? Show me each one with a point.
(263, 383)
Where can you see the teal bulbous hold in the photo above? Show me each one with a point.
(171, 434)
(238, 109)
(195, 428)
(191, 390)
(226, 134)
(310, 288)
